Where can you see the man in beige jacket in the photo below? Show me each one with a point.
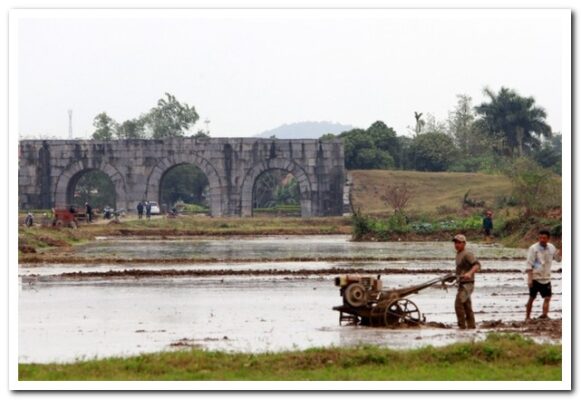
(539, 260)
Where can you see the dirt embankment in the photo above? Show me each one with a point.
(64, 258)
(141, 273)
(474, 235)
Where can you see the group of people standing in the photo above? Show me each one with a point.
(538, 269)
(141, 206)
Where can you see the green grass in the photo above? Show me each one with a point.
(499, 357)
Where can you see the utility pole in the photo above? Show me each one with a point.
(207, 122)
(70, 124)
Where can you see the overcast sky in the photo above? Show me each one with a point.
(250, 74)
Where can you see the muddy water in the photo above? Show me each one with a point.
(64, 321)
(281, 247)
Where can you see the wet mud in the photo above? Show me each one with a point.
(77, 311)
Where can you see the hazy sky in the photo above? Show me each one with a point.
(249, 74)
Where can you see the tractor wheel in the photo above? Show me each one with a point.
(73, 225)
(355, 295)
(402, 311)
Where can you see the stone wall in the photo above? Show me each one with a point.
(48, 170)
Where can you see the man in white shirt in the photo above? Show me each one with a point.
(539, 260)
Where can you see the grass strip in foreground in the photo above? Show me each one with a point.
(499, 357)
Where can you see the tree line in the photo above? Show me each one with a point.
(167, 119)
(484, 137)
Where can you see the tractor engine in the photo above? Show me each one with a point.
(358, 290)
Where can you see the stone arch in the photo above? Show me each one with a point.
(276, 163)
(71, 174)
(153, 186)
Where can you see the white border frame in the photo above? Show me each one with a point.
(564, 14)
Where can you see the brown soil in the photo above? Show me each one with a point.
(161, 233)
(61, 258)
(537, 327)
(438, 236)
(26, 249)
(53, 242)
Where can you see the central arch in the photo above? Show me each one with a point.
(153, 187)
(282, 164)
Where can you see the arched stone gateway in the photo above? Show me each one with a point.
(276, 163)
(67, 180)
(153, 188)
(49, 168)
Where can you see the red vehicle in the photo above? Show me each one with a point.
(64, 217)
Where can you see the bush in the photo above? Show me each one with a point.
(362, 225)
(423, 227)
(537, 189)
(397, 222)
(192, 208)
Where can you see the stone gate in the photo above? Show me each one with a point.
(50, 169)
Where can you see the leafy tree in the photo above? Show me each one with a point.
(105, 127)
(383, 136)
(432, 125)
(131, 129)
(549, 155)
(96, 188)
(275, 187)
(433, 151)
(404, 158)
(170, 118)
(201, 134)
(185, 183)
(328, 137)
(374, 148)
(361, 151)
(515, 122)
(461, 122)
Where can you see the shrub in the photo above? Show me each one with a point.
(362, 225)
(537, 189)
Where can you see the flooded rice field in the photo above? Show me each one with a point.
(290, 307)
(281, 247)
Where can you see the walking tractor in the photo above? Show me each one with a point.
(365, 302)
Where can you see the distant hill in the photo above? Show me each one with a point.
(305, 130)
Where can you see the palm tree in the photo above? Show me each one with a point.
(419, 122)
(515, 121)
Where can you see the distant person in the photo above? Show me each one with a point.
(29, 220)
(539, 260)
(147, 210)
(140, 210)
(466, 266)
(89, 212)
(487, 224)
